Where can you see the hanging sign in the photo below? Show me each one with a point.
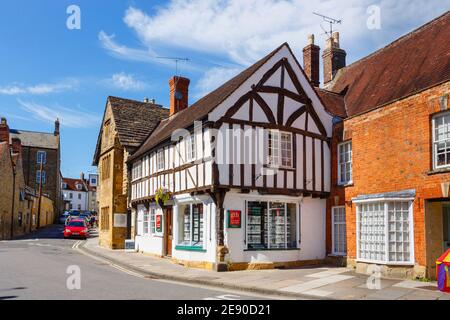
(234, 219)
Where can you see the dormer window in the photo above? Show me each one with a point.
(79, 187)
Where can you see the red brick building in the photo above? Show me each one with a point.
(389, 203)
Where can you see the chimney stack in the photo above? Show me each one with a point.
(4, 131)
(311, 61)
(179, 94)
(82, 176)
(333, 58)
(57, 125)
(16, 145)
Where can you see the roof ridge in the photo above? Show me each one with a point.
(396, 41)
(140, 102)
(30, 131)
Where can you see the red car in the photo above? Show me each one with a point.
(76, 228)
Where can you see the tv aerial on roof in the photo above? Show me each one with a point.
(176, 59)
(331, 21)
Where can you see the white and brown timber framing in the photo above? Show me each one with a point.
(276, 95)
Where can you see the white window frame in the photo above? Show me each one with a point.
(342, 144)
(145, 221)
(277, 160)
(136, 173)
(333, 224)
(191, 148)
(386, 201)
(160, 159)
(41, 157)
(152, 221)
(202, 229)
(435, 143)
(297, 226)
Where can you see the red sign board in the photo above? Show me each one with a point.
(234, 219)
(158, 221)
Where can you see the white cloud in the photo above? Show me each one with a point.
(126, 82)
(69, 117)
(39, 89)
(242, 32)
(213, 78)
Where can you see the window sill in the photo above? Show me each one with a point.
(189, 248)
(406, 264)
(345, 185)
(438, 171)
(279, 168)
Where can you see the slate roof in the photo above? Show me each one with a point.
(134, 121)
(200, 109)
(416, 61)
(35, 139)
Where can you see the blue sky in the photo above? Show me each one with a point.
(49, 71)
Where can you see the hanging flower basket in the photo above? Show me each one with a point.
(162, 196)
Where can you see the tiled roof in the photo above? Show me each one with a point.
(333, 102)
(72, 184)
(414, 62)
(134, 121)
(36, 139)
(200, 109)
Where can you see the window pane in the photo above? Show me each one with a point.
(257, 225)
(277, 220)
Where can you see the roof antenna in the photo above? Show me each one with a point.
(177, 60)
(331, 21)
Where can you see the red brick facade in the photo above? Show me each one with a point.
(392, 151)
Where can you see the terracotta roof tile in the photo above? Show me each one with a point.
(72, 184)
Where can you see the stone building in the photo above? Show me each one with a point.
(45, 148)
(19, 204)
(126, 124)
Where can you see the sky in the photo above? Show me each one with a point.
(50, 70)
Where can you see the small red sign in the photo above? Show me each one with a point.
(234, 219)
(158, 219)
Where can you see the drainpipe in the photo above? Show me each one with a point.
(13, 203)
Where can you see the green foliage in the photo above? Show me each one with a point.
(162, 196)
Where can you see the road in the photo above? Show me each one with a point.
(36, 267)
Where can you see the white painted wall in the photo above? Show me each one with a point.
(83, 202)
(311, 214)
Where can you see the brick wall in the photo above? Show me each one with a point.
(391, 152)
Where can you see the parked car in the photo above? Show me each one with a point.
(74, 213)
(86, 216)
(63, 218)
(76, 228)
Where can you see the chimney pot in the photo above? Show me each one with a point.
(146, 100)
(333, 58)
(4, 131)
(16, 145)
(57, 127)
(179, 94)
(311, 61)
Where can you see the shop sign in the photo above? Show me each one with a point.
(234, 219)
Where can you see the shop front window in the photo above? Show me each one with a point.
(191, 225)
(271, 225)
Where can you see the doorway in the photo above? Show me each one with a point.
(168, 232)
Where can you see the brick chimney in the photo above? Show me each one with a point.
(311, 61)
(333, 58)
(16, 145)
(179, 94)
(4, 131)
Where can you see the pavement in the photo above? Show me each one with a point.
(45, 266)
(324, 282)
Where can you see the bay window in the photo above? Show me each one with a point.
(152, 221)
(145, 230)
(191, 225)
(345, 172)
(280, 149)
(271, 225)
(441, 141)
(384, 232)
